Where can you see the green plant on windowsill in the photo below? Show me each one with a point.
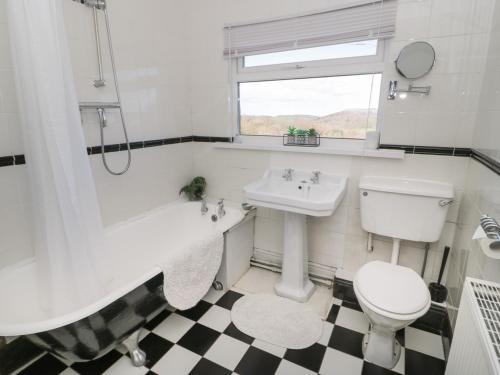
(298, 136)
(312, 136)
(302, 132)
(195, 190)
(301, 136)
(312, 132)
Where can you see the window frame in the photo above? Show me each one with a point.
(347, 66)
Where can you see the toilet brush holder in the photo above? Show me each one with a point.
(437, 290)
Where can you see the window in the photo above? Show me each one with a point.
(320, 70)
(336, 107)
(336, 51)
(333, 89)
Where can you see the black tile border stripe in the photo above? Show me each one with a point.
(492, 164)
(6, 161)
(428, 150)
(436, 320)
(487, 161)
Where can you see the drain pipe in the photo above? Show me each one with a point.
(326, 281)
(427, 247)
(370, 242)
(396, 242)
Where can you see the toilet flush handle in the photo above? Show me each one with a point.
(445, 202)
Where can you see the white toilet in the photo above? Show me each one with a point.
(394, 296)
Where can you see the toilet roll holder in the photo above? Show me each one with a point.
(490, 240)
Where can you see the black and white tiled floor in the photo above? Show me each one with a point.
(204, 341)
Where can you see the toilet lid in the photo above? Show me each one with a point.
(392, 288)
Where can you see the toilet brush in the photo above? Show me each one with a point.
(438, 291)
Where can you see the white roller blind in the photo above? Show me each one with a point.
(371, 20)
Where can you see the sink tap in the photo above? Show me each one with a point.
(288, 174)
(204, 207)
(315, 177)
(220, 208)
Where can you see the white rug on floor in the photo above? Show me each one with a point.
(260, 281)
(277, 320)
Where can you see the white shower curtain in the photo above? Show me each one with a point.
(68, 232)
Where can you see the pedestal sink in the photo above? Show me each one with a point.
(298, 194)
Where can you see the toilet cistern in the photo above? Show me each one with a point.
(393, 296)
(404, 208)
(290, 191)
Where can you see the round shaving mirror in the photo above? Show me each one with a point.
(415, 60)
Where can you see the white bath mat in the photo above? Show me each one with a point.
(277, 320)
(259, 281)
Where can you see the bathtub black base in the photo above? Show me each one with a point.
(94, 336)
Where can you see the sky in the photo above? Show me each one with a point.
(311, 96)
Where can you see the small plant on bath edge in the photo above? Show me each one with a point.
(195, 190)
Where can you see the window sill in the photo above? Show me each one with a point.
(388, 154)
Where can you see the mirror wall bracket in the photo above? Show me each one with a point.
(394, 90)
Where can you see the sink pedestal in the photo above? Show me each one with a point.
(295, 283)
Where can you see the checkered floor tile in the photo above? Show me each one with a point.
(203, 340)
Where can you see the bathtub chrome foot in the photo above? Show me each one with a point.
(137, 356)
(217, 285)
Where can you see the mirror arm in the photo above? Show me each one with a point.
(394, 91)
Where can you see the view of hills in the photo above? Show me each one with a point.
(351, 123)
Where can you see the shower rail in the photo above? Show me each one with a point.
(99, 105)
(100, 82)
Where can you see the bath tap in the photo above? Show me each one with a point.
(315, 177)
(288, 174)
(204, 208)
(220, 208)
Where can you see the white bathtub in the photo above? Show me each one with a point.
(136, 247)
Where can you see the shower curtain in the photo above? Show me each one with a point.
(68, 232)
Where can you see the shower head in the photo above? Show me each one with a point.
(98, 4)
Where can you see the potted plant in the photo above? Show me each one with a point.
(301, 136)
(313, 135)
(291, 133)
(194, 190)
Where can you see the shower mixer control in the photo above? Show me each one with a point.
(204, 207)
(101, 112)
(220, 208)
(99, 83)
(98, 4)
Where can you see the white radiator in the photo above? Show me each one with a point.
(476, 341)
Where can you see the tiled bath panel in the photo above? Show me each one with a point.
(203, 340)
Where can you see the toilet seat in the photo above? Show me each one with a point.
(392, 290)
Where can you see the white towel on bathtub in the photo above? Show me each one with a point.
(189, 272)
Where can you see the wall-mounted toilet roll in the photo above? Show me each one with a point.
(491, 248)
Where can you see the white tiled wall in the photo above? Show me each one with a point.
(150, 49)
(174, 82)
(483, 186)
(458, 30)
(467, 259)
(337, 241)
